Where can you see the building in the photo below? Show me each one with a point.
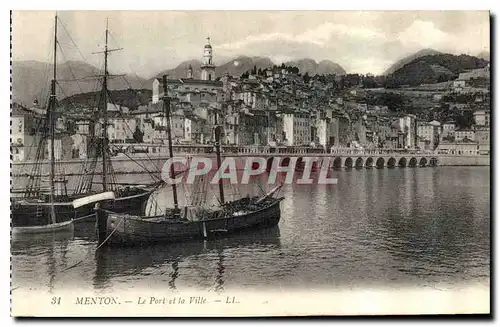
(177, 122)
(408, 125)
(428, 134)
(464, 134)
(448, 130)
(25, 126)
(195, 130)
(476, 73)
(482, 137)
(458, 85)
(461, 148)
(482, 117)
(297, 129)
(208, 67)
(190, 89)
(121, 129)
(323, 132)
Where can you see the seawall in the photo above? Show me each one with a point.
(123, 166)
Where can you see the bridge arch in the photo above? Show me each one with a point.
(337, 163)
(433, 162)
(391, 162)
(285, 162)
(402, 162)
(299, 166)
(413, 162)
(317, 164)
(359, 163)
(269, 165)
(369, 162)
(423, 162)
(348, 162)
(380, 162)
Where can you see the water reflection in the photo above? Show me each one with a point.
(51, 248)
(112, 263)
(409, 226)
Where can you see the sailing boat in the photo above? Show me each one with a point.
(43, 213)
(171, 226)
(129, 198)
(37, 212)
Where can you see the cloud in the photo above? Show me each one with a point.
(424, 34)
(158, 40)
(319, 35)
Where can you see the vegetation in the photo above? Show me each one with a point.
(433, 69)
(138, 135)
(128, 98)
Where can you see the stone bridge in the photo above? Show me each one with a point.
(335, 158)
(152, 161)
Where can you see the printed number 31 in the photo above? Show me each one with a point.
(56, 300)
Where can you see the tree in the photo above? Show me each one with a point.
(260, 72)
(283, 66)
(138, 135)
(245, 75)
(465, 120)
(306, 77)
(254, 70)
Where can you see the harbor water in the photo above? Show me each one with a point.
(376, 228)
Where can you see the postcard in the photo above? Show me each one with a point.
(250, 163)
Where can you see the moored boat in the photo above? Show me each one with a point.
(38, 206)
(126, 229)
(175, 224)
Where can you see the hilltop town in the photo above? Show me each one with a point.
(282, 106)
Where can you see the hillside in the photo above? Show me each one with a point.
(406, 60)
(128, 98)
(31, 80)
(484, 55)
(434, 69)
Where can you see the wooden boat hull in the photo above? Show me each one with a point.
(131, 230)
(49, 228)
(32, 213)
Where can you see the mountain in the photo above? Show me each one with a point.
(434, 69)
(239, 65)
(31, 80)
(180, 71)
(312, 67)
(400, 63)
(484, 55)
(234, 67)
(330, 67)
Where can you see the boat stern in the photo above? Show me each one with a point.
(115, 228)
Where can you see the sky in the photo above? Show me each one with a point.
(152, 41)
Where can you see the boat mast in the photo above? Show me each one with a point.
(104, 140)
(218, 133)
(166, 113)
(52, 109)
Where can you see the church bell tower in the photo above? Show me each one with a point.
(208, 67)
